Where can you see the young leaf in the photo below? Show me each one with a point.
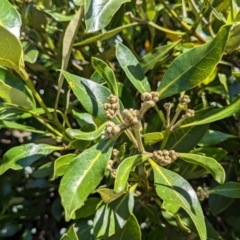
(116, 214)
(217, 114)
(22, 156)
(174, 189)
(208, 163)
(78, 134)
(83, 175)
(106, 73)
(108, 195)
(98, 13)
(132, 68)
(91, 95)
(228, 189)
(10, 18)
(61, 165)
(131, 230)
(194, 66)
(13, 95)
(158, 54)
(11, 55)
(70, 234)
(124, 170)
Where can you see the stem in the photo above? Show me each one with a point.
(175, 117)
(31, 86)
(139, 139)
(165, 139)
(183, 24)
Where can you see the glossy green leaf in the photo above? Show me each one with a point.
(68, 39)
(149, 61)
(208, 163)
(228, 189)
(78, 134)
(110, 218)
(213, 152)
(79, 2)
(10, 18)
(150, 9)
(108, 195)
(58, 16)
(31, 55)
(90, 208)
(124, 170)
(13, 95)
(70, 234)
(153, 137)
(106, 73)
(194, 66)
(91, 95)
(11, 54)
(132, 68)
(98, 13)
(61, 165)
(212, 137)
(217, 114)
(131, 230)
(185, 139)
(18, 126)
(22, 156)
(83, 175)
(174, 189)
(105, 35)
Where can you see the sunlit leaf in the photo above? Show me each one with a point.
(174, 189)
(194, 66)
(83, 175)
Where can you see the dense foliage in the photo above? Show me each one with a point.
(119, 119)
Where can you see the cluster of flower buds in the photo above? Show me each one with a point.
(164, 157)
(111, 167)
(202, 193)
(184, 99)
(111, 129)
(111, 108)
(189, 113)
(130, 117)
(149, 100)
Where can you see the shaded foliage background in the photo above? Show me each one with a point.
(156, 32)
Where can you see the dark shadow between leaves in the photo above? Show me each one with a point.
(93, 99)
(136, 71)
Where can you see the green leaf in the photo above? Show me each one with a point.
(185, 139)
(194, 66)
(106, 73)
(91, 95)
(208, 163)
(132, 68)
(90, 208)
(100, 12)
(213, 152)
(174, 189)
(105, 35)
(108, 195)
(228, 189)
(78, 134)
(115, 214)
(58, 16)
(61, 165)
(131, 230)
(124, 170)
(70, 234)
(83, 175)
(212, 137)
(158, 54)
(13, 95)
(11, 54)
(22, 156)
(217, 114)
(10, 18)
(153, 137)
